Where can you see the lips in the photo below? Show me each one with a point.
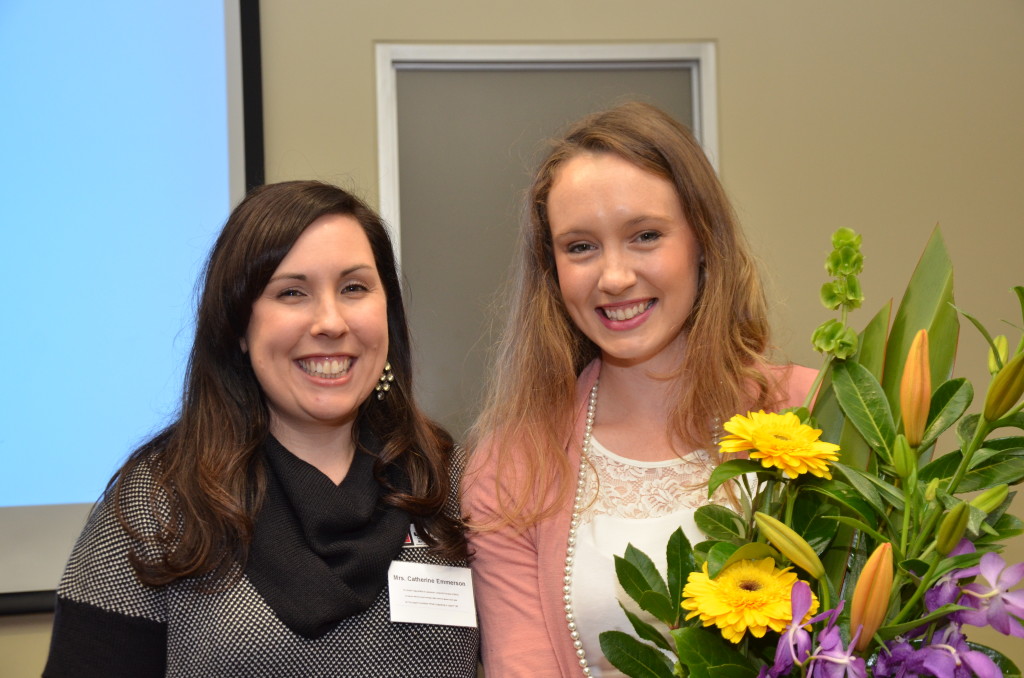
(325, 367)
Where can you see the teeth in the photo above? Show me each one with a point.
(626, 312)
(329, 368)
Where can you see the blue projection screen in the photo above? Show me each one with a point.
(121, 156)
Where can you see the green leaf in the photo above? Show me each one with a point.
(847, 497)
(646, 567)
(949, 402)
(1007, 467)
(981, 456)
(720, 522)
(875, 491)
(810, 522)
(658, 605)
(1015, 420)
(718, 556)
(860, 525)
(961, 562)
(680, 564)
(1006, 527)
(634, 658)
(631, 578)
(753, 551)
(1019, 291)
(863, 401)
(645, 631)
(927, 304)
(945, 466)
(872, 342)
(981, 328)
(707, 655)
(700, 552)
(729, 470)
(965, 429)
(894, 630)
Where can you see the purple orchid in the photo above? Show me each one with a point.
(830, 659)
(795, 642)
(969, 662)
(995, 605)
(947, 656)
(947, 588)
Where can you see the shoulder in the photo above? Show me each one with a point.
(123, 524)
(791, 383)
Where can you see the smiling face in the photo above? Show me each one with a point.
(628, 261)
(318, 335)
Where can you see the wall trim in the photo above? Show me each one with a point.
(391, 57)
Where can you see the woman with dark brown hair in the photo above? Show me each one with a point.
(636, 324)
(254, 535)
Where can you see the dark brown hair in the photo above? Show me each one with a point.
(206, 465)
(529, 406)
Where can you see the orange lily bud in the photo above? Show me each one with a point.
(871, 595)
(916, 389)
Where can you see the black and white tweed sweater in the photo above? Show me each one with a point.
(109, 624)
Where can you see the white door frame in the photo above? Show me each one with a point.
(698, 56)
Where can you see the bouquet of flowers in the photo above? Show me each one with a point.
(852, 548)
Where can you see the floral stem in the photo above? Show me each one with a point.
(918, 592)
(908, 495)
(817, 381)
(980, 431)
(925, 533)
(826, 600)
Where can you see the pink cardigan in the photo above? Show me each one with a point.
(517, 577)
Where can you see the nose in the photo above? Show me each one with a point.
(617, 273)
(328, 319)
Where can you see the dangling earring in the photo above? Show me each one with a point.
(384, 383)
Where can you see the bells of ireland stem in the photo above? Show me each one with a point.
(1005, 389)
(871, 595)
(952, 528)
(916, 389)
(790, 544)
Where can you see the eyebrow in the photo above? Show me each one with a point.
(626, 225)
(303, 277)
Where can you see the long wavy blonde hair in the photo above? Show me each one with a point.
(528, 413)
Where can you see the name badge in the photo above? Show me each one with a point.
(422, 593)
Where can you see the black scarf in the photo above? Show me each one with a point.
(320, 552)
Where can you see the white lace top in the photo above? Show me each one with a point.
(639, 503)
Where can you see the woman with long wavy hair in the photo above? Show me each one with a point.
(253, 536)
(636, 323)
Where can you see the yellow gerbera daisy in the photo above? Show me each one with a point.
(780, 440)
(749, 595)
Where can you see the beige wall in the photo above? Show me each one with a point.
(885, 116)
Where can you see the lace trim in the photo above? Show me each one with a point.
(627, 488)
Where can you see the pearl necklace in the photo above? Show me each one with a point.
(574, 522)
